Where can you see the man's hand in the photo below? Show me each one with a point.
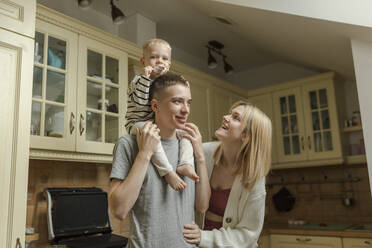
(148, 138)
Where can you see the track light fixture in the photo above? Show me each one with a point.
(84, 4)
(227, 67)
(212, 62)
(216, 47)
(117, 15)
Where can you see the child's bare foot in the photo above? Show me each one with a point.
(188, 170)
(175, 181)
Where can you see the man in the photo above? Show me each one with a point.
(158, 213)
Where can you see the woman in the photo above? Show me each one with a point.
(237, 166)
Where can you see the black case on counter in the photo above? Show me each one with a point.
(79, 218)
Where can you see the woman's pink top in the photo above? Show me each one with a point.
(217, 205)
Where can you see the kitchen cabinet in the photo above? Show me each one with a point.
(79, 92)
(264, 241)
(18, 16)
(17, 25)
(102, 87)
(199, 112)
(307, 127)
(356, 243)
(300, 241)
(265, 103)
(221, 101)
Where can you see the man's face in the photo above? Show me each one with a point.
(158, 56)
(172, 107)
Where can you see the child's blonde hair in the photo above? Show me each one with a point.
(151, 42)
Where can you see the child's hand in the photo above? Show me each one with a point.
(147, 70)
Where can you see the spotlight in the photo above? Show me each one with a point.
(212, 62)
(227, 67)
(84, 4)
(216, 47)
(117, 14)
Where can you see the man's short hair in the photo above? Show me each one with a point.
(151, 42)
(164, 81)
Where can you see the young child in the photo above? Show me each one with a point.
(156, 61)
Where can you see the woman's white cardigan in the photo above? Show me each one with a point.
(244, 213)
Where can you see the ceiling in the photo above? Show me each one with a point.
(256, 37)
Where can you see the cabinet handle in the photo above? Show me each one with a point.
(82, 124)
(72, 122)
(303, 240)
(367, 242)
(309, 142)
(302, 143)
(18, 243)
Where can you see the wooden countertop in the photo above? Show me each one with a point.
(292, 230)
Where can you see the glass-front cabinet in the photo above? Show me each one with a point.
(290, 128)
(221, 101)
(307, 126)
(79, 89)
(322, 132)
(54, 88)
(101, 76)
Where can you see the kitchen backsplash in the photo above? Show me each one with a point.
(43, 174)
(322, 203)
(314, 203)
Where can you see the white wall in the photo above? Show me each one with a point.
(362, 55)
(344, 11)
(351, 99)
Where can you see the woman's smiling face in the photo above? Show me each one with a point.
(233, 126)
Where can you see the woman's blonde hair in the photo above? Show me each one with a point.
(254, 156)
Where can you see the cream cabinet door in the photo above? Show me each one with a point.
(289, 125)
(357, 243)
(264, 241)
(235, 98)
(298, 241)
(199, 113)
(102, 96)
(53, 122)
(16, 54)
(18, 16)
(220, 106)
(265, 103)
(322, 130)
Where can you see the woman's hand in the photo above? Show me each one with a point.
(148, 138)
(193, 134)
(192, 234)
